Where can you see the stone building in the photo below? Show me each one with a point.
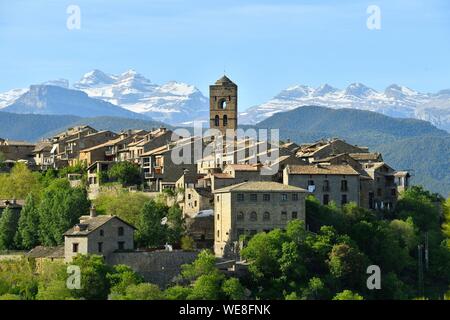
(327, 182)
(42, 155)
(161, 169)
(223, 105)
(16, 150)
(252, 207)
(196, 199)
(101, 235)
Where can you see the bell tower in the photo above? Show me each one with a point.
(223, 105)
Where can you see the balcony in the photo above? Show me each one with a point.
(109, 153)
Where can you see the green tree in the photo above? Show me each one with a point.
(60, 209)
(316, 290)
(150, 230)
(142, 291)
(233, 289)
(8, 228)
(27, 235)
(177, 292)
(125, 172)
(348, 265)
(207, 287)
(52, 282)
(446, 224)
(121, 278)
(19, 183)
(204, 264)
(175, 224)
(94, 281)
(347, 295)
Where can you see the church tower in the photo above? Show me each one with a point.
(223, 105)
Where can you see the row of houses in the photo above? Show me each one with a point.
(239, 187)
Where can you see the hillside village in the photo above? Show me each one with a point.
(222, 196)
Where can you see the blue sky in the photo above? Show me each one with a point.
(264, 45)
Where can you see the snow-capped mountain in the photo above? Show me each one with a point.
(51, 99)
(396, 101)
(173, 102)
(8, 97)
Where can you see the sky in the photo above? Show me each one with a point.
(263, 46)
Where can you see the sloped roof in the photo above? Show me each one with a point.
(91, 224)
(370, 156)
(225, 80)
(321, 169)
(46, 252)
(259, 186)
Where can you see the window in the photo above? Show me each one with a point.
(393, 192)
(240, 216)
(218, 198)
(189, 196)
(120, 231)
(253, 232)
(266, 197)
(217, 121)
(253, 197)
(75, 247)
(344, 186)
(343, 199)
(294, 215)
(266, 216)
(379, 193)
(225, 120)
(253, 216)
(240, 232)
(295, 197)
(218, 233)
(121, 245)
(100, 247)
(326, 199)
(284, 197)
(223, 104)
(218, 217)
(102, 233)
(195, 203)
(326, 185)
(240, 197)
(283, 215)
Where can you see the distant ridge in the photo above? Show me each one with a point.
(33, 127)
(405, 143)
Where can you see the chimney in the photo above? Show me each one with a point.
(92, 212)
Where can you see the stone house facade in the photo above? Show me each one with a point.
(337, 183)
(252, 207)
(101, 235)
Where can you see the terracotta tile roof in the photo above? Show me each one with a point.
(322, 169)
(259, 186)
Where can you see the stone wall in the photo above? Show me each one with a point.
(158, 267)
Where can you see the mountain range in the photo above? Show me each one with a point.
(410, 144)
(179, 103)
(129, 94)
(395, 101)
